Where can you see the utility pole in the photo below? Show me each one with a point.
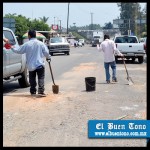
(91, 21)
(129, 31)
(140, 25)
(32, 14)
(118, 22)
(68, 18)
(74, 25)
(60, 26)
(54, 20)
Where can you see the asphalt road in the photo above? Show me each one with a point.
(61, 119)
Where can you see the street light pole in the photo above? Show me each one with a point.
(68, 18)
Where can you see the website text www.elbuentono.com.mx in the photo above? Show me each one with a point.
(110, 133)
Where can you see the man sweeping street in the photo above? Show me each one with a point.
(35, 51)
(109, 49)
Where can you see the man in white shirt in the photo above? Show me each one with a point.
(109, 49)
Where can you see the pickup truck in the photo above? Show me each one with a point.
(130, 47)
(14, 65)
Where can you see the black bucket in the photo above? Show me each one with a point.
(90, 83)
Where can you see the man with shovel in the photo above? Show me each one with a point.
(35, 51)
(109, 48)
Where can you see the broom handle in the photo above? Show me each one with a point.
(51, 73)
(125, 66)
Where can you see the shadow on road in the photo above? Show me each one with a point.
(10, 87)
(26, 96)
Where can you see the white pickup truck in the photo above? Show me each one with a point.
(14, 65)
(130, 47)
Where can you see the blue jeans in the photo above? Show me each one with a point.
(113, 67)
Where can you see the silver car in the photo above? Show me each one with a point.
(59, 45)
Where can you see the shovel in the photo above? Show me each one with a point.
(55, 87)
(130, 81)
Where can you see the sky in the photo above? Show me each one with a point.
(80, 14)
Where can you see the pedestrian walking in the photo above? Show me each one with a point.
(35, 51)
(75, 45)
(109, 49)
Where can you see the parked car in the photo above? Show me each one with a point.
(59, 45)
(79, 44)
(14, 65)
(81, 41)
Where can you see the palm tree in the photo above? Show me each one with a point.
(10, 15)
(44, 19)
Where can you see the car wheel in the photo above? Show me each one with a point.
(133, 60)
(67, 53)
(24, 80)
(140, 59)
(51, 53)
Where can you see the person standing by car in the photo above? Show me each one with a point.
(35, 51)
(75, 45)
(109, 48)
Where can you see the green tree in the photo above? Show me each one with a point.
(10, 15)
(44, 19)
(129, 13)
(144, 16)
(87, 27)
(39, 25)
(23, 24)
(108, 25)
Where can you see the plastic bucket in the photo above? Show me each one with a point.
(90, 83)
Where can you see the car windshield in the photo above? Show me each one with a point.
(81, 40)
(126, 40)
(57, 40)
(96, 36)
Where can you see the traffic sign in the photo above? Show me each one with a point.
(54, 27)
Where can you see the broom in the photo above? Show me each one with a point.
(130, 81)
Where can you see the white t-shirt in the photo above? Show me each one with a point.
(109, 48)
